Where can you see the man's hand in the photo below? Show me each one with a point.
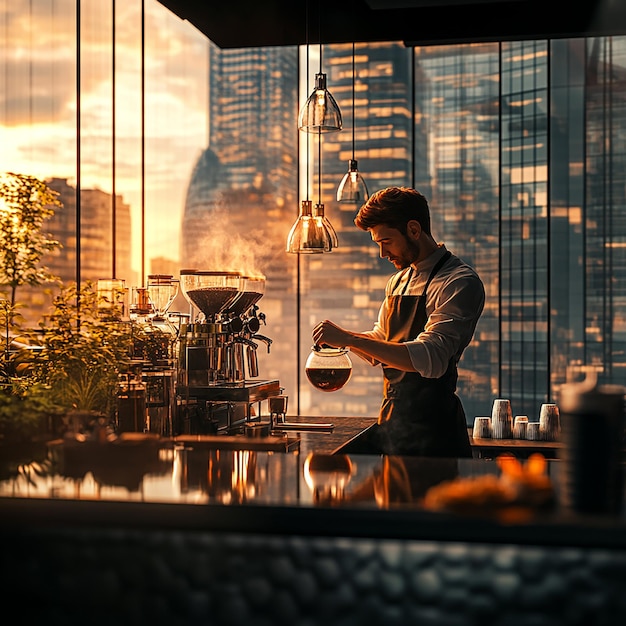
(330, 334)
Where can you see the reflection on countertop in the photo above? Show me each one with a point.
(148, 469)
(151, 470)
(310, 488)
(185, 532)
(192, 468)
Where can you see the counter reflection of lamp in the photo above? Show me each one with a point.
(327, 476)
(243, 486)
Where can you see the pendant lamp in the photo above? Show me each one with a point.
(352, 187)
(311, 234)
(324, 222)
(319, 211)
(308, 235)
(320, 113)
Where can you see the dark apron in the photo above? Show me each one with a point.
(418, 416)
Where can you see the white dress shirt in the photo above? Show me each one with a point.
(454, 303)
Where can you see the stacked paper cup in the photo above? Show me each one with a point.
(549, 422)
(501, 419)
(482, 428)
(519, 426)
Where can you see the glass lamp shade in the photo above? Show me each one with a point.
(324, 222)
(308, 235)
(320, 113)
(352, 187)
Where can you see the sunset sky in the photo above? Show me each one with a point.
(38, 104)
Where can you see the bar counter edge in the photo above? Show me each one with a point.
(17, 514)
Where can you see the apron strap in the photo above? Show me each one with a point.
(437, 267)
(400, 276)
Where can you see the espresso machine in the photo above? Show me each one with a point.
(218, 387)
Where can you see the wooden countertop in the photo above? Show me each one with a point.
(344, 429)
(347, 428)
(484, 448)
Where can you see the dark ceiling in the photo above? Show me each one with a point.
(252, 23)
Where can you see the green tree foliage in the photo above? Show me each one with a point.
(24, 408)
(10, 319)
(25, 204)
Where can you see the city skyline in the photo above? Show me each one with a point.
(517, 146)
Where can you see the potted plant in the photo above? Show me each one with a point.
(82, 357)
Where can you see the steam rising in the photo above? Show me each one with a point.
(235, 232)
(219, 246)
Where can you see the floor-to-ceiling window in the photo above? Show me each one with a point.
(108, 101)
(169, 152)
(518, 146)
(457, 163)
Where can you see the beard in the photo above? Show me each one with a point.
(409, 255)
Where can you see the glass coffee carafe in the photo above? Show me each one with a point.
(328, 369)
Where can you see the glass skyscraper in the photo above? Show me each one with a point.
(242, 195)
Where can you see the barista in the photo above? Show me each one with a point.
(431, 307)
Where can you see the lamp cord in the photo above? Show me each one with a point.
(319, 30)
(319, 158)
(307, 134)
(319, 132)
(353, 97)
(305, 95)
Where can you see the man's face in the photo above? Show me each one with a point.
(401, 250)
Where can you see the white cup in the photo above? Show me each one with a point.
(532, 431)
(501, 419)
(482, 428)
(549, 422)
(520, 424)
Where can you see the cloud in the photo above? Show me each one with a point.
(40, 62)
(37, 94)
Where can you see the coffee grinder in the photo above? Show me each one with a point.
(218, 385)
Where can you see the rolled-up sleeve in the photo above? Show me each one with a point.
(453, 315)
